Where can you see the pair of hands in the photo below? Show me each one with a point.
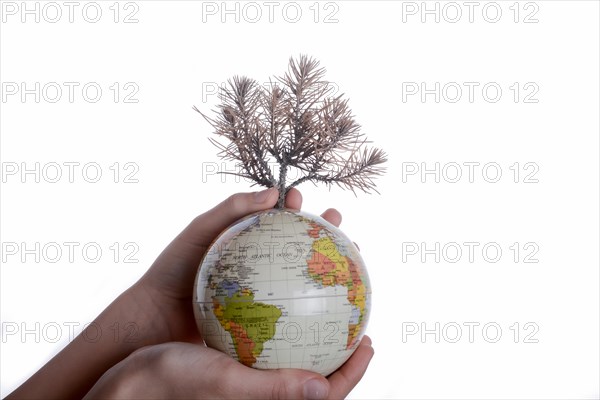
(168, 359)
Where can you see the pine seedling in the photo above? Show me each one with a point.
(294, 124)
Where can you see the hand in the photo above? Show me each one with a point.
(191, 371)
(159, 305)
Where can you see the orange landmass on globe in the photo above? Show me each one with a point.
(328, 266)
(314, 230)
(244, 344)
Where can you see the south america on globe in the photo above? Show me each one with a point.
(283, 288)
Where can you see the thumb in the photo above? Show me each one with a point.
(280, 384)
(176, 267)
(204, 228)
(234, 208)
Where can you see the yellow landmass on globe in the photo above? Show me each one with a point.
(329, 267)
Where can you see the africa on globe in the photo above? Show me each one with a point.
(282, 288)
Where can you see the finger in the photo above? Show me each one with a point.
(366, 340)
(348, 375)
(182, 256)
(333, 216)
(293, 199)
(275, 384)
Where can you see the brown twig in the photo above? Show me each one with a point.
(295, 125)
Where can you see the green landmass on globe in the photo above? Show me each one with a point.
(250, 323)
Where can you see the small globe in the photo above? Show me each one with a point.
(283, 289)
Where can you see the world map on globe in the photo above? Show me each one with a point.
(283, 289)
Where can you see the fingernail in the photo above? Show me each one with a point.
(260, 197)
(314, 389)
(366, 340)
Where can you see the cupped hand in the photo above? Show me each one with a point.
(161, 305)
(165, 356)
(191, 371)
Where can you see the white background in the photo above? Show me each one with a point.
(374, 52)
